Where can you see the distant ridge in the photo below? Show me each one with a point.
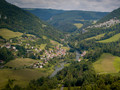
(64, 20)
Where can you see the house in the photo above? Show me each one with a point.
(8, 46)
(79, 60)
(13, 47)
(1, 61)
(83, 54)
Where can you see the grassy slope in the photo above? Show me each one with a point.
(112, 39)
(22, 76)
(7, 34)
(55, 43)
(42, 46)
(20, 62)
(107, 63)
(78, 25)
(96, 37)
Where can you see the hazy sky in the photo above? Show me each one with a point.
(89, 5)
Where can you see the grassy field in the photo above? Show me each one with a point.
(44, 37)
(66, 48)
(7, 34)
(20, 62)
(112, 39)
(42, 46)
(96, 37)
(78, 25)
(107, 63)
(22, 76)
(55, 43)
(29, 35)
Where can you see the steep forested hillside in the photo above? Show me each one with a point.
(17, 19)
(115, 13)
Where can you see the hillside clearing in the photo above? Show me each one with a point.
(112, 39)
(7, 34)
(55, 43)
(21, 62)
(42, 46)
(96, 37)
(107, 63)
(78, 25)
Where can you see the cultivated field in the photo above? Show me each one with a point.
(96, 37)
(78, 25)
(112, 39)
(107, 63)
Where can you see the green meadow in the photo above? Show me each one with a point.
(78, 25)
(112, 39)
(96, 37)
(22, 76)
(7, 34)
(107, 63)
(21, 62)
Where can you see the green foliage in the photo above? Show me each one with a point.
(115, 13)
(6, 54)
(22, 50)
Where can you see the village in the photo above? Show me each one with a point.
(44, 55)
(107, 24)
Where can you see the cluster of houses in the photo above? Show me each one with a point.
(82, 55)
(9, 46)
(109, 23)
(38, 65)
(58, 52)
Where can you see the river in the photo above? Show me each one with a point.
(57, 69)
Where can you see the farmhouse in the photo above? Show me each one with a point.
(38, 65)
